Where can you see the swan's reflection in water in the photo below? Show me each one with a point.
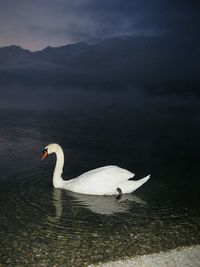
(107, 205)
(103, 205)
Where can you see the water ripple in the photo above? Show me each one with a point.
(35, 214)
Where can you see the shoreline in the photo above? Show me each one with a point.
(179, 257)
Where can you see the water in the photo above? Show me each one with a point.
(43, 226)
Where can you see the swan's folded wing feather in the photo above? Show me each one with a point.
(100, 181)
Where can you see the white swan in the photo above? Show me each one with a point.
(108, 180)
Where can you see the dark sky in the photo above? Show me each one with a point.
(35, 24)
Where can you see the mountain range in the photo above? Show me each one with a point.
(155, 62)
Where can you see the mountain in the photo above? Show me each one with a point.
(14, 55)
(61, 55)
(153, 62)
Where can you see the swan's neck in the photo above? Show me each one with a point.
(57, 179)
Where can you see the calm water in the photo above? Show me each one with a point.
(41, 226)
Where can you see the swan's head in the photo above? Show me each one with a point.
(51, 148)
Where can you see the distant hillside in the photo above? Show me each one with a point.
(14, 55)
(153, 62)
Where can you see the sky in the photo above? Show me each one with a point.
(36, 24)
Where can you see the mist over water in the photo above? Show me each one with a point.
(133, 128)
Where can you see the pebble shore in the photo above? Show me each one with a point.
(180, 257)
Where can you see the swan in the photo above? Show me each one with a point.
(107, 180)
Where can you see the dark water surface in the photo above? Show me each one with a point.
(43, 226)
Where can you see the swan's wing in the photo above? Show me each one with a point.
(100, 181)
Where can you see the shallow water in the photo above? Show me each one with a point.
(43, 226)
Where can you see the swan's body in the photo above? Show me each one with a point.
(108, 180)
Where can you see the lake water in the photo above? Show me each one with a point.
(43, 226)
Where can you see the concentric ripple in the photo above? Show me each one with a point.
(38, 220)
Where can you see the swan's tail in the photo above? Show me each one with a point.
(130, 186)
(143, 180)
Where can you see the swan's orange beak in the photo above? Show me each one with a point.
(44, 154)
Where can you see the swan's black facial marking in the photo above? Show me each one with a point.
(45, 150)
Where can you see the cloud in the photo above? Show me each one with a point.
(35, 24)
